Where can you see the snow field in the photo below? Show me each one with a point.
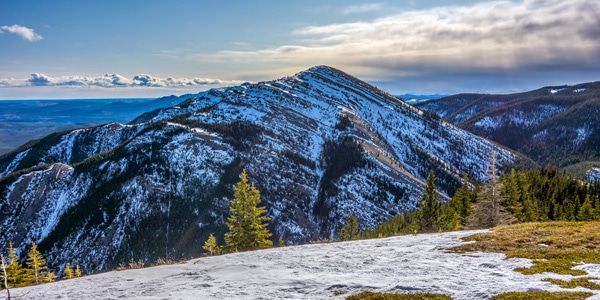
(406, 264)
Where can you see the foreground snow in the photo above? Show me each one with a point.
(407, 264)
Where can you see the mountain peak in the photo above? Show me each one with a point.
(320, 146)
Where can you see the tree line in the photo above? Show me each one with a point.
(14, 274)
(517, 196)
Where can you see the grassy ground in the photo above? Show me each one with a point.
(382, 296)
(554, 247)
(505, 296)
(543, 296)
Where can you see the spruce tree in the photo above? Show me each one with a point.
(37, 266)
(247, 223)
(68, 273)
(586, 212)
(429, 206)
(350, 229)
(211, 245)
(17, 275)
(77, 271)
(462, 199)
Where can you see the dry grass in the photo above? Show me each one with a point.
(553, 246)
(586, 282)
(382, 296)
(543, 296)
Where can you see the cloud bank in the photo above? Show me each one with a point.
(113, 81)
(534, 36)
(24, 32)
(362, 8)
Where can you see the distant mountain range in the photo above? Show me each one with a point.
(320, 145)
(25, 120)
(554, 126)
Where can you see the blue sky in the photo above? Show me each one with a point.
(91, 49)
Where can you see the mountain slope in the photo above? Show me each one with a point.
(552, 125)
(320, 145)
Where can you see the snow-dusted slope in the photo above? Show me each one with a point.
(554, 126)
(407, 264)
(320, 145)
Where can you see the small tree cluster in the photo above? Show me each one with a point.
(35, 270)
(69, 273)
(547, 194)
(350, 230)
(431, 214)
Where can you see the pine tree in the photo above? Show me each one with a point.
(68, 273)
(211, 245)
(247, 223)
(511, 190)
(449, 219)
(462, 199)
(37, 266)
(17, 275)
(597, 208)
(281, 242)
(350, 230)
(429, 206)
(77, 271)
(586, 212)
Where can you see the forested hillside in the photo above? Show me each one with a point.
(554, 126)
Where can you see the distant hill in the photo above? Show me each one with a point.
(557, 125)
(25, 120)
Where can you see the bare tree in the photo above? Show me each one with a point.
(5, 276)
(492, 177)
(489, 210)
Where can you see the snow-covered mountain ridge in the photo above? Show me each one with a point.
(320, 145)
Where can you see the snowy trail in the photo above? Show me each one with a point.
(322, 271)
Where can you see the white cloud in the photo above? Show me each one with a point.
(24, 32)
(362, 8)
(486, 37)
(113, 81)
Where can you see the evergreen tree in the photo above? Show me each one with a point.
(211, 245)
(597, 208)
(77, 271)
(350, 229)
(512, 192)
(247, 223)
(281, 242)
(68, 273)
(586, 212)
(462, 199)
(449, 219)
(429, 206)
(17, 275)
(37, 266)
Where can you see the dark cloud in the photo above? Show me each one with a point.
(39, 80)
